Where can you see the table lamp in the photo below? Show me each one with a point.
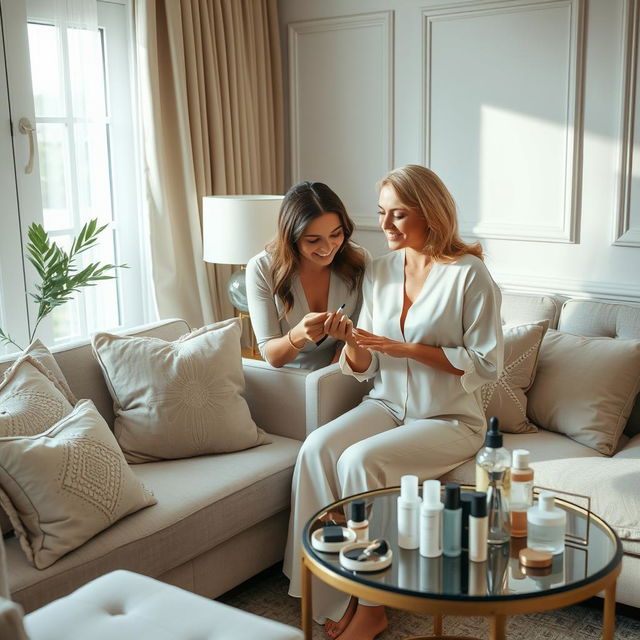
(234, 229)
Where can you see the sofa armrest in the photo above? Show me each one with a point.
(330, 393)
(276, 398)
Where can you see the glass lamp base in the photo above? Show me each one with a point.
(237, 290)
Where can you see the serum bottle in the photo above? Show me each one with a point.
(478, 527)
(493, 456)
(546, 525)
(409, 513)
(452, 521)
(521, 492)
(431, 520)
(358, 522)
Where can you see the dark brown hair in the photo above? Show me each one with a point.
(420, 188)
(303, 203)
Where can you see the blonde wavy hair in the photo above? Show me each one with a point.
(420, 188)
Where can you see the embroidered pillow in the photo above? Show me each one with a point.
(506, 397)
(65, 485)
(178, 399)
(38, 351)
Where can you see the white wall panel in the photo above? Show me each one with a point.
(503, 115)
(341, 86)
(627, 222)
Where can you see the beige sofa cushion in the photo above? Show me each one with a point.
(38, 351)
(178, 399)
(505, 398)
(613, 484)
(585, 387)
(63, 486)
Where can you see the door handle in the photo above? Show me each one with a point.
(25, 127)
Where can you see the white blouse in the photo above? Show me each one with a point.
(457, 309)
(267, 310)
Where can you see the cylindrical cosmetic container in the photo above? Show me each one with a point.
(465, 503)
(409, 513)
(431, 520)
(358, 522)
(521, 492)
(478, 527)
(546, 525)
(452, 520)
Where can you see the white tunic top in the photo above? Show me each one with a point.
(457, 309)
(267, 311)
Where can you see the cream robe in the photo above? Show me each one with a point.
(417, 419)
(267, 311)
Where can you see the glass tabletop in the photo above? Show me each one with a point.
(500, 577)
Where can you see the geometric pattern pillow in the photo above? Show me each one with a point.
(505, 398)
(65, 485)
(38, 351)
(178, 399)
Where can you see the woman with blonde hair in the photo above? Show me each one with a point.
(430, 336)
(307, 281)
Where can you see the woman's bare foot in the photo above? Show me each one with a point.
(334, 629)
(366, 624)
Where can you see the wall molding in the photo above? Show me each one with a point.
(623, 233)
(568, 230)
(382, 20)
(570, 287)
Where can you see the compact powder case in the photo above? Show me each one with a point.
(533, 559)
(319, 544)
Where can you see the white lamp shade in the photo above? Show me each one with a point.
(236, 228)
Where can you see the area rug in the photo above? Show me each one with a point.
(266, 595)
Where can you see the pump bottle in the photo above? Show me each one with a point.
(409, 513)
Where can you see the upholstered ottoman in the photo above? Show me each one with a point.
(127, 606)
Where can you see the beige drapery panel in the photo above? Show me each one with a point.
(210, 82)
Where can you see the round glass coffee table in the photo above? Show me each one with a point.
(442, 586)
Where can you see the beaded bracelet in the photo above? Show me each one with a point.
(291, 341)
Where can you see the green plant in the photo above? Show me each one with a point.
(58, 270)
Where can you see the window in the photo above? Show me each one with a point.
(81, 92)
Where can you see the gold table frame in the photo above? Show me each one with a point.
(439, 607)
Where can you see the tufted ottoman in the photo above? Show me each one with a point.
(128, 606)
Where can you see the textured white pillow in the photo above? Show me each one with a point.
(505, 399)
(63, 486)
(585, 387)
(178, 399)
(38, 351)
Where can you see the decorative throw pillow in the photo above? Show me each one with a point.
(31, 399)
(38, 351)
(506, 397)
(585, 387)
(63, 486)
(178, 399)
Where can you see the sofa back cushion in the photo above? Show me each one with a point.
(611, 320)
(525, 308)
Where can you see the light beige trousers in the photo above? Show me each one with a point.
(364, 449)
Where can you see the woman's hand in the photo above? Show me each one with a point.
(310, 328)
(372, 342)
(340, 327)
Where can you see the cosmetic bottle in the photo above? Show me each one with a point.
(358, 522)
(409, 513)
(465, 503)
(546, 525)
(494, 456)
(521, 497)
(493, 462)
(431, 520)
(452, 521)
(478, 527)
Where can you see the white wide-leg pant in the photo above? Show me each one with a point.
(365, 449)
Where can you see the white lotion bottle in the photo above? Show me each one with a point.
(431, 520)
(409, 513)
(478, 527)
(546, 525)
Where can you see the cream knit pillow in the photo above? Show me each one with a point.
(178, 399)
(63, 486)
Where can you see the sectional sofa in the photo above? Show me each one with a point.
(220, 519)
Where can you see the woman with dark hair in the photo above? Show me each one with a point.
(308, 280)
(429, 334)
